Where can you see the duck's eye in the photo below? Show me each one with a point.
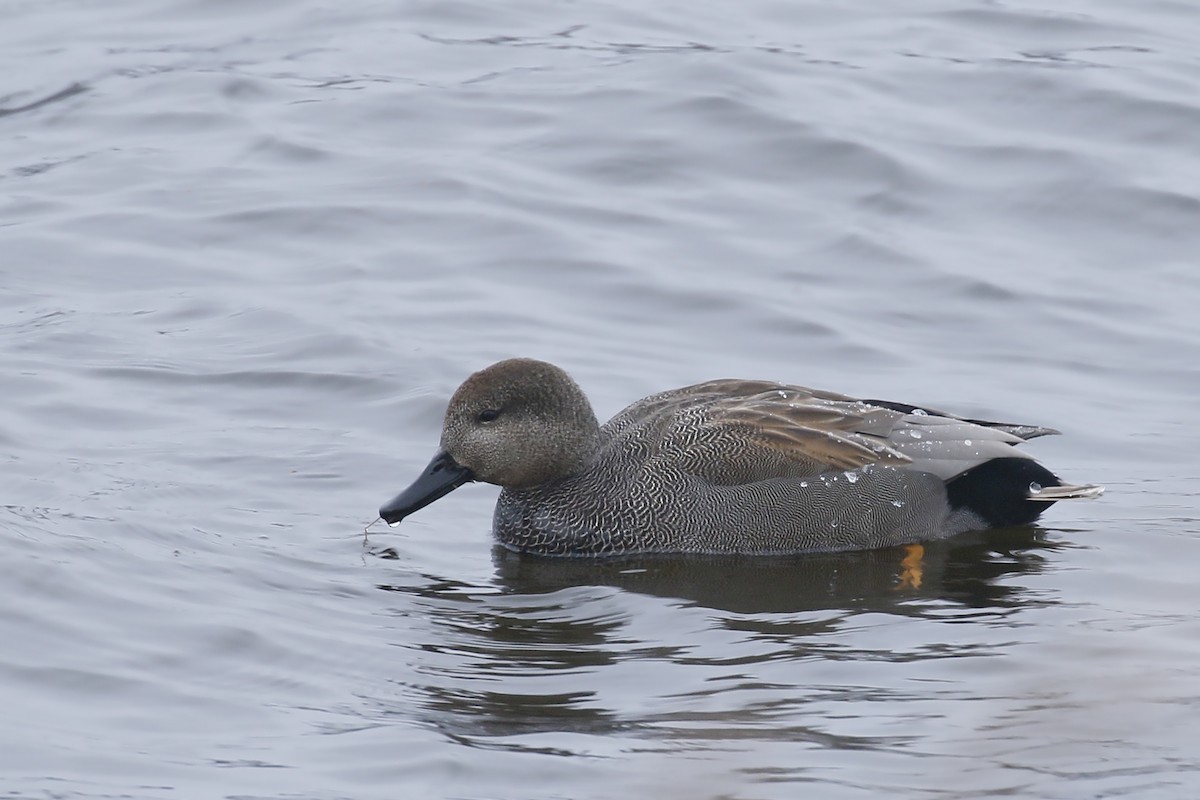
(488, 414)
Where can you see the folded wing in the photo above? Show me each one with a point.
(732, 431)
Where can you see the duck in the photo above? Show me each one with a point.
(725, 467)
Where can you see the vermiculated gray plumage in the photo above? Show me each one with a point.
(730, 466)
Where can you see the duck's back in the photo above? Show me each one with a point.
(761, 467)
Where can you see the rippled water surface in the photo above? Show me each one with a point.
(248, 249)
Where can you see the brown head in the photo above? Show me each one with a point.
(518, 423)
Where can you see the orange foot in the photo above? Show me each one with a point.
(911, 567)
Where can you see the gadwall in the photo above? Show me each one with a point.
(728, 466)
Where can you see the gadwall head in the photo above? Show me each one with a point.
(518, 423)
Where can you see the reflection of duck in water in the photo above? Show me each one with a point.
(976, 570)
(728, 466)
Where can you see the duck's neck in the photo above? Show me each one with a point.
(570, 447)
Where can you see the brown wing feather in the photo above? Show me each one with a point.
(738, 431)
(805, 428)
(733, 431)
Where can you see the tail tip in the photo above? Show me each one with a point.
(1052, 494)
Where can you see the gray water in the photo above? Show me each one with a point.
(248, 249)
